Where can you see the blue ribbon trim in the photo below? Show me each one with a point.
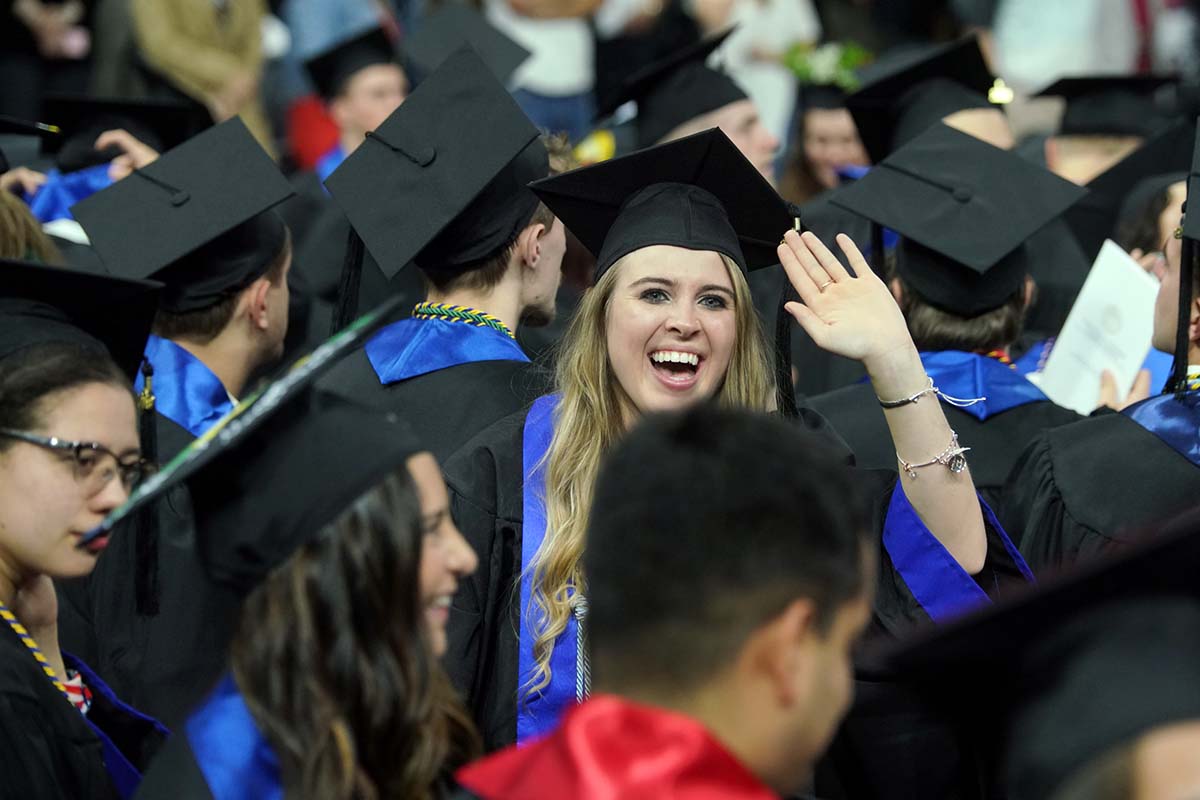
(413, 347)
(54, 198)
(970, 375)
(235, 759)
(329, 162)
(540, 713)
(186, 391)
(939, 584)
(1175, 421)
(125, 776)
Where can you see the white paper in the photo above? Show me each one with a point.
(1109, 328)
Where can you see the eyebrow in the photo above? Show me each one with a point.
(710, 287)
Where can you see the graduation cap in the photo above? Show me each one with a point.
(429, 187)
(161, 124)
(698, 192)
(256, 492)
(193, 219)
(332, 68)
(1113, 105)
(1189, 231)
(964, 209)
(902, 96)
(41, 304)
(1048, 680)
(676, 89)
(449, 28)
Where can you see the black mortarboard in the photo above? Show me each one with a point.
(1047, 681)
(193, 219)
(428, 188)
(21, 127)
(256, 488)
(331, 68)
(698, 192)
(904, 95)
(161, 124)
(41, 304)
(449, 28)
(1112, 105)
(964, 209)
(676, 89)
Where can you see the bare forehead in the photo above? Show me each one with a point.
(676, 264)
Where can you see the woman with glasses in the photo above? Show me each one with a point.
(70, 344)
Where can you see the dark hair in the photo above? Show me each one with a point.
(332, 657)
(934, 329)
(205, 324)
(28, 376)
(706, 525)
(1140, 229)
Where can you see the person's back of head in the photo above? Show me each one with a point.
(21, 237)
(727, 577)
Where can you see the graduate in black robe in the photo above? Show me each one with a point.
(64, 735)
(152, 621)
(497, 481)
(489, 251)
(963, 284)
(1088, 487)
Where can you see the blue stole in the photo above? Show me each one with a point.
(186, 392)
(124, 774)
(1175, 421)
(941, 586)
(329, 162)
(413, 347)
(54, 198)
(969, 375)
(235, 759)
(539, 713)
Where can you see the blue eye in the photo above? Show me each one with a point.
(654, 296)
(713, 301)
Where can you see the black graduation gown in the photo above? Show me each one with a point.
(485, 480)
(47, 749)
(1083, 489)
(996, 442)
(448, 406)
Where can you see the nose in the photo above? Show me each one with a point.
(683, 321)
(110, 497)
(461, 558)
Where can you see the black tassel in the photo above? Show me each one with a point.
(1179, 375)
(144, 520)
(785, 390)
(878, 258)
(348, 284)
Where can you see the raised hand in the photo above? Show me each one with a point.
(135, 153)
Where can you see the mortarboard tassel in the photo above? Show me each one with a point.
(1187, 265)
(348, 285)
(145, 532)
(785, 390)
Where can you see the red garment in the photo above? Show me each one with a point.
(612, 749)
(311, 132)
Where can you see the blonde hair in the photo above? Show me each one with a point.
(588, 420)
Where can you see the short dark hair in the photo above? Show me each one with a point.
(934, 329)
(1139, 230)
(706, 525)
(205, 324)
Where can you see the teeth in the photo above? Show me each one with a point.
(441, 602)
(675, 357)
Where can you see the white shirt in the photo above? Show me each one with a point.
(561, 61)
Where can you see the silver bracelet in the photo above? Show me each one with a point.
(951, 458)
(930, 389)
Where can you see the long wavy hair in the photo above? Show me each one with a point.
(332, 657)
(589, 419)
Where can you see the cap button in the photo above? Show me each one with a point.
(962, 195)
(179, 198)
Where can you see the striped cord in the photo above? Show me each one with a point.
(583, 665)
(471, 316)
(33, 648)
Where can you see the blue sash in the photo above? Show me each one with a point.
(1175, 421)
(539, 713)
(186, 391)
(124, 774)
(235, 759)
(413, 347)
(936, 580)
(54, 198)
(329, 162)
(970, 375)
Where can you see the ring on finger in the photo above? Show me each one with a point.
(821, 288)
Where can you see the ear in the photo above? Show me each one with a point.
(783, 652)
(255, 296)
(897, 290)
(529, 244)
(1051, 152)
(1194, 324)
(1030, 291)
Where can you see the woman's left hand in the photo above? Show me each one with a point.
(855, 317)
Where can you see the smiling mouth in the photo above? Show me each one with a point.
(675, 368)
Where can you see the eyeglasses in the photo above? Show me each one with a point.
(95, 465)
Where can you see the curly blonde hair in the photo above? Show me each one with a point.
(588, 420)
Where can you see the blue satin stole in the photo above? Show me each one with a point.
(186, 391)
(235, 759)
(413, 347)
(1176, 421)
(539, 713)
(970, 375)
(327, 163)
(124, 774)
(54, 198)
